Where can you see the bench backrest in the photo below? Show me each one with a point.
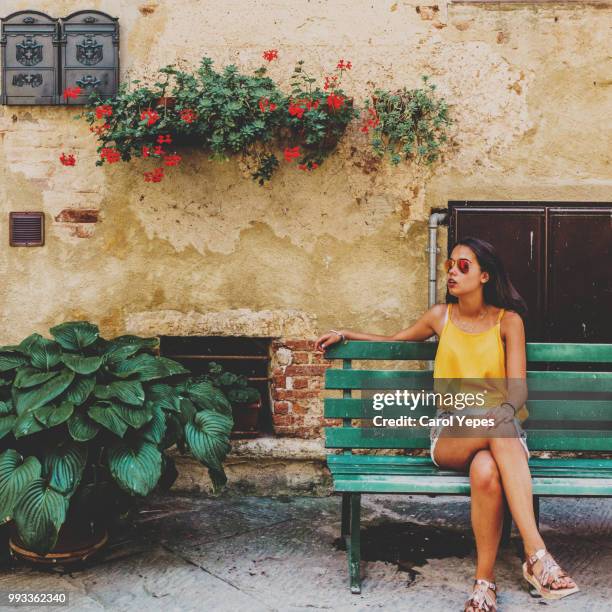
(583, 424)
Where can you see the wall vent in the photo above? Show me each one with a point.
(26, 229)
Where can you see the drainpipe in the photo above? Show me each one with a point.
(435, 219)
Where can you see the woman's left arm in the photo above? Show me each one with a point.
(516, 358)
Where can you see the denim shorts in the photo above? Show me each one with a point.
(434, 434)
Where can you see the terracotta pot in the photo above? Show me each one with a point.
(76, 542)
(246, 418)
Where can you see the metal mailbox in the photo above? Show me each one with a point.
(29, 45)
(89, 54)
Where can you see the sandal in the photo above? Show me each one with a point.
(481, 598)
(549, 573)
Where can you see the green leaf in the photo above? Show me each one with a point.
(208, 439)
(26, 424)
(164, 396)
(188, 411)
(155, 429)
(137, 468)
(134, 416)
(11, 360)
(64, 465)
(82, 428)
(15, 474)
(208, 397)
(80, 389)
(44, 354)
(127, 391)
(30, 377)
(82, 365)
(39, 514)
(6, 408)
(43, 394)
(75, 335)
(106, 414)
(147, 367)
(51, 415)
(7, 422)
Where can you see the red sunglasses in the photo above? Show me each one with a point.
(462, 264)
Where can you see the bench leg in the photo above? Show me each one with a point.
(354, 544)
(345, 527)
(536, 510)
(507, 525)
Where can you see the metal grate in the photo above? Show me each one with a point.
(26, 229)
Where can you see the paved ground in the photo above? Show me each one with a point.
(252, 554)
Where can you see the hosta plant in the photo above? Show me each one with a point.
(85, 424)
(235, 386)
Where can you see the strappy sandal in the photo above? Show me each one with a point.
(549, 573)
(480, 598)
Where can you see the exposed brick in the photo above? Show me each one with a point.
(281, 407)
(279, 381)
(306, 370)
(300, 345)
(301, 357)
(295, 394)
(300, 383)
(282, 419)
(78, 215)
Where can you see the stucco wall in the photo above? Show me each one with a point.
(530, 89)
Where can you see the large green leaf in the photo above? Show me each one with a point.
(26, 424)
(107, 415)
(188, 411)
(39, 514)
(81, 364)
(30, 377)
(11, 360)
(15, 474)
(135, 416)
(146, 367)
(82, 428)
(51, 415)
(80, 389)
(7, 422)
(135, 468)
(123, 347)
(127, 391)
(165, 396)
(143, 343)
(75, 335)
(174, 431)
(208, 438)
(156, 428)
(208, 397)
(6, 408)
(43, 394)
(44, 354)
(64, 465)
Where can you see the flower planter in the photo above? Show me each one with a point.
(76, 543)
(246, 419)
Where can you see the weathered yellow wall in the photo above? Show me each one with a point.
(530, 88)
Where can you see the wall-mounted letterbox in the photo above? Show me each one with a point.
(43, 56)
(90, 54)
(29, 44)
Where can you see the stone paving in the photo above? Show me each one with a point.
(264, 554)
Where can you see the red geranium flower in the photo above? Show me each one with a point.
(334, 101)
(154, 176)
(146, 151)
(158, 150)
(172, 160)
(270, 55)
(67, 160)
(342, 65)
(330, 82)
(110, 155)
(370, 122)
(265, 104)
(295, 110)
(188, 115)
(310, 104)
(104, 110)
(291, 154)
(164, 139)
(150, 115)
(72, 92)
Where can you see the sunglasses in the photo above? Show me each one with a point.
(462, 264)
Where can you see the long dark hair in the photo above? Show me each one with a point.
(498, 290)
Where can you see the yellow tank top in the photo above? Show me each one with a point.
(479, 358)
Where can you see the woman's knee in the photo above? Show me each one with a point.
(484, 473)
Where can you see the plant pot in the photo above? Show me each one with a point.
(246, 418)
(76, 542)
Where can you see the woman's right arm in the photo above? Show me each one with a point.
(421, 330)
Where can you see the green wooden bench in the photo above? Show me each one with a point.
(549, 427)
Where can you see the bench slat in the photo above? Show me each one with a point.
(536, 351)
(590, 382)
(541, 410)
(574, 440)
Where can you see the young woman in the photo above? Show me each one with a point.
(481, 336)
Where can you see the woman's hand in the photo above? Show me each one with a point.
(500, 414)
(327, 339)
